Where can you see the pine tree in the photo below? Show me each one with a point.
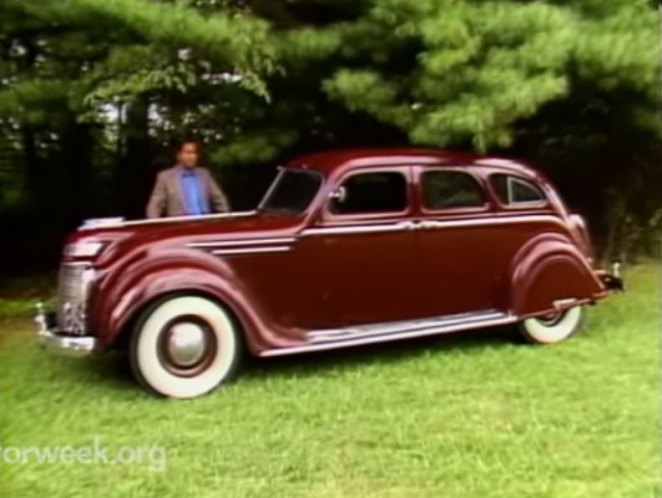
(449, 71)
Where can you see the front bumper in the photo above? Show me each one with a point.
(60, 342)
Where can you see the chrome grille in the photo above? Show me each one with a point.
(72, 298)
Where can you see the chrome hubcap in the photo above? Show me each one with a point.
(187, 344)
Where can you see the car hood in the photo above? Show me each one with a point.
(121, 237)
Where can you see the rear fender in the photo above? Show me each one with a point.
(549, 274)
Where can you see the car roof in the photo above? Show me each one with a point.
(328, 162)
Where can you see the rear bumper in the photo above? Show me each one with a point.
(61, 343)
(612, 281)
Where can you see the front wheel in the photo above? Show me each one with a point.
(184, 347)
(554, 328)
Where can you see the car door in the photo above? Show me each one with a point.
(360, 251)
(458, 256)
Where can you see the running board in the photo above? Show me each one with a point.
(321, 340)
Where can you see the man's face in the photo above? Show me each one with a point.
(188, 155)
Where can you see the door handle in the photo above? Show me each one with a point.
(409, 225)
(420, 225)
(429, 225)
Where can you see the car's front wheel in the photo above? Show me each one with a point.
(184, 347)
(553, 328)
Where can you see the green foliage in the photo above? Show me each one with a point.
(260, 79)
(249, 149)
(231, 40)
(476, 69)
(443, 72)
(99, 52)
(303, 45)
(23, 308)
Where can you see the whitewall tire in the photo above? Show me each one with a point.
(553, 329)
(184, 347)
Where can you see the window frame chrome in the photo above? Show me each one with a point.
(515, 206)
(406, 171)
(281, 172)
(486, 207)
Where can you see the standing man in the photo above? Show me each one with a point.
(186, 188)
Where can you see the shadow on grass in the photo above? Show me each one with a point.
(112, 370)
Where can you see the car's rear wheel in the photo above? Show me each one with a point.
(184, 347)
(553, 328)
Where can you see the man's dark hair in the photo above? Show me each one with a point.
(180, 143)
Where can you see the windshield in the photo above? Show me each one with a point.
(292, 192)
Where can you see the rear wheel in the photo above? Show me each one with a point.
(553, 328)
(184, 347)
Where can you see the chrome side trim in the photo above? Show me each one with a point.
(403, 326)
(172, 219)
(239, 243)
(251, 250)
(507, 319)
(393, 227)
(432, 224)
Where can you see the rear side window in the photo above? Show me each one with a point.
(450, 189)
(371, 193)
(514, 191)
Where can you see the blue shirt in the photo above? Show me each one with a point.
(194, 198)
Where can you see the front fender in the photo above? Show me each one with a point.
(548, 273)
(138, 281)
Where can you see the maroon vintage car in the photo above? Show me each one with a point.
(347, 248)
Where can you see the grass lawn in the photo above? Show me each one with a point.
(477, 415)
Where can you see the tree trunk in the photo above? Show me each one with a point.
(75, 172)
(134, 174)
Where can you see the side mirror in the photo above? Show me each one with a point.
(339, 195)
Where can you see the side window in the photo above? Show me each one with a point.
(512, 190)
(377, 192)
(450, 189)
